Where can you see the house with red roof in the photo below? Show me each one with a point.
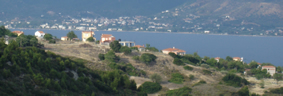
(140, 48)
(217, 59)
(39, 34)
(174, 50)
(18, 32)
(238, 59)
(270, 69)
(107, 39)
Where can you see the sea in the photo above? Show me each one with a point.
(252, 48)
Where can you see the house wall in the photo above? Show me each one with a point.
(87, 35)
(271, 71)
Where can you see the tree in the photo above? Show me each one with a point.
(115, 46)
(155, 78)
(228, 58)
(278, 77)
(126, 50)
(147, 58)
(101, 56)
(178, 62)
(48, 36)
(253, 65)
(71, 35)
(150, 87)
(244, 91)
(90, 39)
(110, 56)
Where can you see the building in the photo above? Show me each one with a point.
(206, 32)
(246, 71)
(270, 69)
(39, 34)
(107, 39)
(238, 59)
(65, 38)
(217, 59)
(87, 34)
(140, 48)
(174, 50)
(18, 32)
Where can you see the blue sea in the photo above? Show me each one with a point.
(257, 48)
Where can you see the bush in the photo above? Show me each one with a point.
(126, 50)
(155, 78)
(101, 56)
(177, 78)
(147, 58)
(150, 87)
(200, 82)
(178, 62)
(191, 77)
(185, 91)
(204, 66)
(188, 68)
(277, 91)
(90, 39)
(244, 91)
(52, 41)
(234, 80)
(206, 72)
(115, 46)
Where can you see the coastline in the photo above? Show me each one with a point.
(154, 32)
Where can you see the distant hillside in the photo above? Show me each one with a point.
(77, 8)
(262, 12)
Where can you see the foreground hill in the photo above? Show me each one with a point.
(32, 71)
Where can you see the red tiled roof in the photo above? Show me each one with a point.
(236, 58)
(106, 35)
(268, 67)
(139, 46)
(173, 50)
(87, 31)
(259, 63)
(247, 70)
(17, 32)
(217, 58)
(40, 31)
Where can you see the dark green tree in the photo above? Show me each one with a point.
(147, 58)
(178, 62)
(48, 36)
(115, 46)
(278, 77)
(126, 50)
(228, 58)
(244, 91)
(90, 39)
(101, 56)
(71, 35)
(150, 87)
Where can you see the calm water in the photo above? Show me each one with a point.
(260, 49)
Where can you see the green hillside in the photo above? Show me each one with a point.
(30, 71)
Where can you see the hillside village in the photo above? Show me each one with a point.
(168, 61)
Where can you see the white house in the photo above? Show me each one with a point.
(270, 69)
(39, 34)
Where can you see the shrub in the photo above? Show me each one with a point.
(277, 91)
(206, 72)
(155, 78)
(191, 77)
(101, 56)
(188, 68)
(177, 78)
(115, 46)
(234, 80)
(147, 58)
(200, 82)
(178, 62)
(126, 50)
(204, 66)
(150, 87)
(185, 91)
(90, 39)
(244, 91)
